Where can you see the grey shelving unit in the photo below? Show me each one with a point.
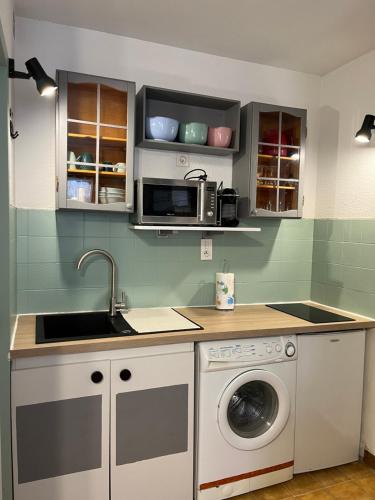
(186, 107)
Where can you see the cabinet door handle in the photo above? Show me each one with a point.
(97, 377)
(125, 375)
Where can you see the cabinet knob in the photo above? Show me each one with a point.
(125, 375)
(97, 377)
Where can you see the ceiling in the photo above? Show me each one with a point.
(314, 36)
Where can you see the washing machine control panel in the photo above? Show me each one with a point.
(251, 351)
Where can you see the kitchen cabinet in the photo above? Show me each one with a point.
(92, 430)
(152, 427)
(60, 429)
(95, 143)
(267, 171)
(329, 392)
(186, 107)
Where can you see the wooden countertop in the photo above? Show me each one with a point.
(244, 321)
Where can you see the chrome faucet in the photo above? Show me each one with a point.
(114, 306)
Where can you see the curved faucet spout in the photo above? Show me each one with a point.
(113, 305)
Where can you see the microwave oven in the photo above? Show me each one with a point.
(175, 202)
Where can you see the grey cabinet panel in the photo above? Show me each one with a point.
(151, 423)
(58, 438)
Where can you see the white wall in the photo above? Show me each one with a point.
(346, 168)
(99, 53)
(7, 40)
(6, 24)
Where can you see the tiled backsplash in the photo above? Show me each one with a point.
(343, 273)
(272, 265)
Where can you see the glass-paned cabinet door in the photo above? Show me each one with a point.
(95, 138)
(278, 139)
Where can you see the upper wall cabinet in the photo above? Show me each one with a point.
(95, 143)
(267, 170)
(193, 123)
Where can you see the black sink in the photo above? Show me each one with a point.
(80, 326)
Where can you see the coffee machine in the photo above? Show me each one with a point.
(227, 205)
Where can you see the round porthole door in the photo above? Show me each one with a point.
(254, 408)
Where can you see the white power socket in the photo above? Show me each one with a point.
(206, 249)
(182, 160)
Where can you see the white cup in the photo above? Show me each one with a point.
(72, 156)
(120, 167)
(81, 194)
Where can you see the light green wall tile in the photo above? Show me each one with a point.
(283, 262)
(334, 274)
(69, 224)
(22, 276)
(22, 249)
(320, 230)
(353, 231)
(96, 225)
(351, 255)
(318, 292)
(89, 243)
(367, 256)
(22, 222)
(368, 231)
(344, 275)
(359, 279)
(42, 223)
(335, 230)
(156, 271)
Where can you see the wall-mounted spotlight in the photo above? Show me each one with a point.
(364, 133)
(45, 84)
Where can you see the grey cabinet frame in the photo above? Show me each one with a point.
(63, 77)
(245, 162)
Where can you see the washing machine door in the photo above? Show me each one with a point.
(254, 408)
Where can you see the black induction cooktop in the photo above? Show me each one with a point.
(309, 313)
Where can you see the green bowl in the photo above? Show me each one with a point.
(193, 133)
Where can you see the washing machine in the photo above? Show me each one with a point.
(245, 415)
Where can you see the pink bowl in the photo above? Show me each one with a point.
(219, 137)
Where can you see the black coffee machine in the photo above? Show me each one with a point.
(227, 204)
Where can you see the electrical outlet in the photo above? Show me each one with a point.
(206, 249)
(182, 160)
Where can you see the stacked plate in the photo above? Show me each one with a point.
(111, 195)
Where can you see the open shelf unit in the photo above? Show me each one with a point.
(186, 107)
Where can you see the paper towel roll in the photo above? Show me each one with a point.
(224, 291)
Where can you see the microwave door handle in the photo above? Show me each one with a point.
(201, 202)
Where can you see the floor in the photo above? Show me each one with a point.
(354, 481)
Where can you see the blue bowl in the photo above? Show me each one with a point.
(161, 128)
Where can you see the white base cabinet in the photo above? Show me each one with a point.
(60, 428)
(119, 428)
(152, 418)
